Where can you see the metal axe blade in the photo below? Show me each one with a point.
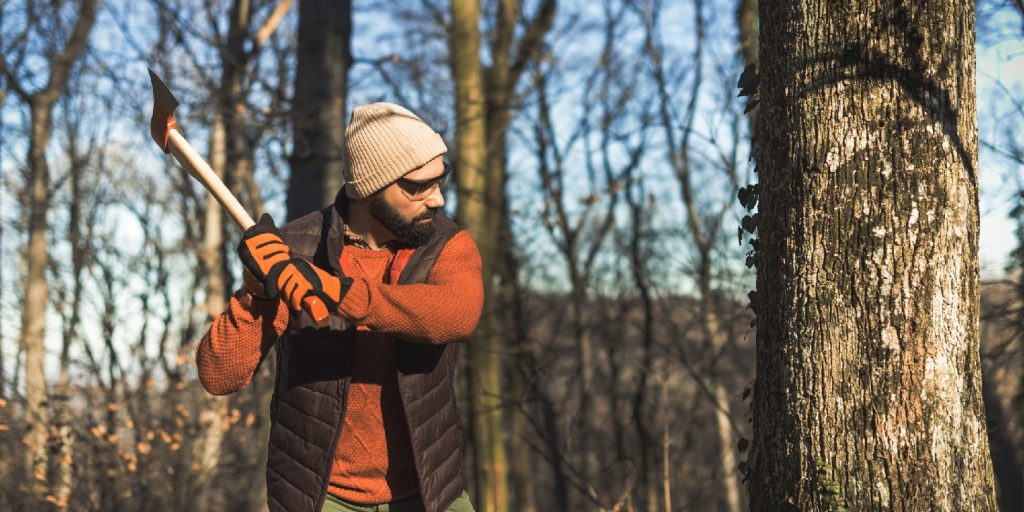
(164, 104)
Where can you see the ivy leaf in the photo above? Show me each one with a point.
(742, 445)
(749, 223)
(749, 80)
(747, 196)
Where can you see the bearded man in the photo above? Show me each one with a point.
(363, 415)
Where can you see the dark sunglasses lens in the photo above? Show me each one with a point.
(420, 190)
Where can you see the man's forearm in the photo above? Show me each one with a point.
(237, 341)
(426, 313)
(444, 309)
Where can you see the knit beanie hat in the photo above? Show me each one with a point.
(383, 142)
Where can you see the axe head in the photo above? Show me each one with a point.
(163, 111)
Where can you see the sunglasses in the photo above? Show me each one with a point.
(420, 190)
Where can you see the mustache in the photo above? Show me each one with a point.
(427, 215)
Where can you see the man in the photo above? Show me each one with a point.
(363, 415)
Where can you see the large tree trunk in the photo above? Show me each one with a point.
(868, 390)
(476, 215)
(318, 110)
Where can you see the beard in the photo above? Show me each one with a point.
(409, 232)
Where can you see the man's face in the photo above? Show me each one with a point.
(407, 207)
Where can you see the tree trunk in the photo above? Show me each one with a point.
(33, 319)
(868, 390)
(726, 446)
(500, 80)
(65, 438)
(318, 109)
(227, 153)
(213, 407)
(3, 374)
(476, 215)
(1008, 474)
(749, 28)
(724, 426)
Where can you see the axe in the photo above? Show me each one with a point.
(165, 132)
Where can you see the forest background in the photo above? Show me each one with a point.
(602, 154)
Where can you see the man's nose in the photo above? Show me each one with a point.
(435, 199)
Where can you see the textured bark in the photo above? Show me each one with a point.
(477, 216)
(318, 110)
(868, 390)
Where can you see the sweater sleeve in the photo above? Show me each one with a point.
(236, 343)
(444, 309)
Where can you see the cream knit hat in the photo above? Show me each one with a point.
(383, 142)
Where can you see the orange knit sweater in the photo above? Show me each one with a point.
(373, 463)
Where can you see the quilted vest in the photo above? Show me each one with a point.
(314, 368)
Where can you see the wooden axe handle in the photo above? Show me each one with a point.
(185, 154)
(198, 168)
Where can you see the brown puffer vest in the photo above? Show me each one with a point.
(314, 369)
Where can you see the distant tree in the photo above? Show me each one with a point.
(476, 215)
(318, 107)
(868, 390)
(237, 32)
(63, 45)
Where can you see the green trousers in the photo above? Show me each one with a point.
(411, 504)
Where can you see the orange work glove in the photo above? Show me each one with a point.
(260, 249)
(296, 278)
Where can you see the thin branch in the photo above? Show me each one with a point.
(271, 24)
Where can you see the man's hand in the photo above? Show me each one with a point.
(260, 249)
(296, 278)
